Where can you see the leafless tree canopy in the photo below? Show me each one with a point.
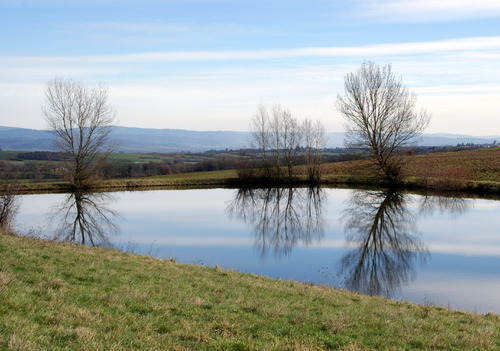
(9, 200)
(314, 139)
(9, 204)
(81, 119)
(279, 136)
(381, 115)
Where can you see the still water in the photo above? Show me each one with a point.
(423, 249)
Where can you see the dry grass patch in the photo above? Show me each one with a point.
(448, 170)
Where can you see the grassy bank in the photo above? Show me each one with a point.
(61, 296)
(474, 171)
(214, 178)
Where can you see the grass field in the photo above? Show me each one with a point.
(7, 155)
(459, 170)
(163, 157)
(138, 157)
(59, 296)
(475, 170)
(476, 165)
(461, 166)
(213, 178)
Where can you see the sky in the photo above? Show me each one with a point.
(208, 64)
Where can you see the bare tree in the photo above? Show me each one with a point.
(81, 119)
(277, 135)
(9, 200)
(290, 138)
(381, 116)
(260, 137)
(9, 204)
(274, 140)
(314, 140)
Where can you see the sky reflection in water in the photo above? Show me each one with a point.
(423, 249)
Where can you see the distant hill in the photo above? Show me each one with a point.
(131, 140)
(178, 140)
(25, 139)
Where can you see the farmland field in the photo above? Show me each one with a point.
(438, 170)
(472, 165)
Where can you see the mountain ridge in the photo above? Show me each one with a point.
(133, 139)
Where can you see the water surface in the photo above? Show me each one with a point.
(431, 250)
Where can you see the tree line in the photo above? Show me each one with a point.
(380, 114)
(280, 142)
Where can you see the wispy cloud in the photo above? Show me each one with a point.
(158, 31)
(367, 51)
(429, 10)
(455, 79)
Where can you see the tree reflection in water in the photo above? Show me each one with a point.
(85, 218)
(453, 206)
(281, 218)
(383, 231)
(386, 242)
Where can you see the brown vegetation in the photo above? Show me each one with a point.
(446, 170)
(474, 170)
(474, 165)
(381, 117)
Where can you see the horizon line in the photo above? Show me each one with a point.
(237, 131)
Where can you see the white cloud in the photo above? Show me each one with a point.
(454, 79)
(430, 10)
(414, 48)
(463, 113)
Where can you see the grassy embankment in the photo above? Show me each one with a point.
(59, 296)
(476, 171)
(214, 178)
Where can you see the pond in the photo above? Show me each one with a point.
(423, 249)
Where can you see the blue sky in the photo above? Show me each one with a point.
(207, 64)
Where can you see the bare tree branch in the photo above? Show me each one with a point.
(81, 118)
(314, 139)
(278, 137)
(9, 200)
(381, 115)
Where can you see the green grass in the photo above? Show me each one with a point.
(140, 158)
(137, 157)
(165, 157)
(57, 296)
(7, 155)
(213, 178)
(474, 171)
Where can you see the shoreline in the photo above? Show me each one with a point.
(68, 296)
(207, 179)
(475, 172)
